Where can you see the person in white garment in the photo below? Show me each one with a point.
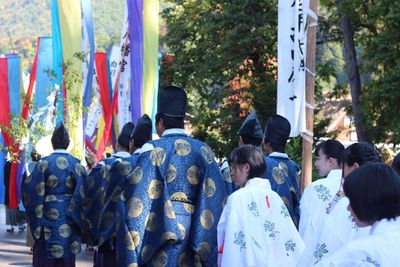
(317, 195)
(374, 194)
(255, 228)
(337, 227)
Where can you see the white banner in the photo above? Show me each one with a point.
(95, 109)
(292, 38)
(120, 56)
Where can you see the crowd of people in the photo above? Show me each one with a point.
(167, 202)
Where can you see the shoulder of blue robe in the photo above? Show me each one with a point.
(283, 175)
(226, 174)
(175, 186)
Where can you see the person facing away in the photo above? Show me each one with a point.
(50, 195)
(173, 198)
(396, 163)
(95, 188)
(374, 202)
(249, 133)
(319, 194)
(338, 227)
(282, 173)
(255, 228)
(106, 254)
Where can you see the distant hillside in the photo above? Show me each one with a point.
(22, 21)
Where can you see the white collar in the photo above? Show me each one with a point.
(279, 154)
(121, 154)
(138, 151)
(174, 131)
(146, 147)
(258, 182)
(63, 151)
(385, 225)
(334, 173)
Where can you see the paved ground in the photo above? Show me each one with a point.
(14, 252)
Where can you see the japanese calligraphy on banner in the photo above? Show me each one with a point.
(120, 60)
(292, 37)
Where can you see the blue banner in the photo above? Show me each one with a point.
(43, 81)
(57, 57)
(14, 83)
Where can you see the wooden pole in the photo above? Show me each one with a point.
(306, 168)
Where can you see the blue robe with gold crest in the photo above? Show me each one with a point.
(283, 175)
(98, 187)
(171, 205)
(50, 194)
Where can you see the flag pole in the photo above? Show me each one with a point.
(306, 173)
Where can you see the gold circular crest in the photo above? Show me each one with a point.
(47, 233)
(146, 253)
(155, 189)
(152, 223)
(57, 251)
(207, 219)
(52, 181)
(184, 260)
(171, 173)
(116, 194)
(62, 163)
(169, 237)
(39, 211)
(136, 176)
(226, 173)
(207, 155)
(40, 189)
(204, 250)
(79, 170)
(100, 194)
(52, 214)
(160, 260)
(108, 219)
(124, 168)
(188, 207)
(132, 240)
(169, 210)
(179, 196)
(64, 230)
(28, 179)
(278, 175)
(135, 207)
(182, 230)
(72, 205)
(37, 231)
(42, 166)
(70, 181)
(193, 175)
(182, 147)
(284, 168)
(157, 156)
(209, 187)
(133, 265)
(50, 198)
(75, 247)
(105, 171)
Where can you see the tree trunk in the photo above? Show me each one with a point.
(353, 73)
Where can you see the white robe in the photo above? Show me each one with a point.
(313, 204)
(335, 231)
(255, 229)
(379, 248)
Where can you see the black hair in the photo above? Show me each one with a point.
(251, 140)
(396, 163)
(170, 122)
(374, 192)
(253, 156)
(332, 148)
(275, 147)
(359, 153)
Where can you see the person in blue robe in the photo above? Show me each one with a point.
(49, 195)
(171, 203)
(95, 190)
(250, 133)
(282, 172)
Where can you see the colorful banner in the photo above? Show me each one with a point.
(43, 79)
(14, 83)
(95, 111)
(2, 163)
(292, 37)
(4, 100)
(135, 9)
(71, 35)
(88, 65)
